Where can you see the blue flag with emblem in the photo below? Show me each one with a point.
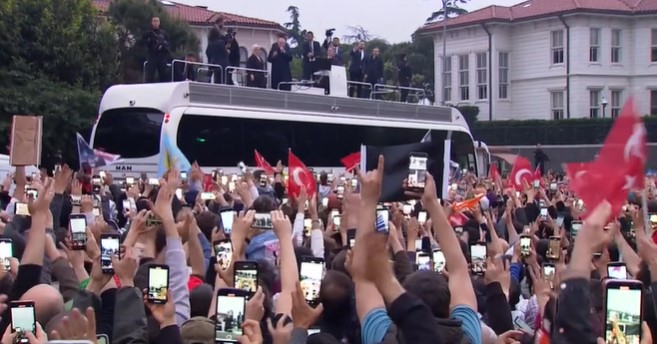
(171, 156)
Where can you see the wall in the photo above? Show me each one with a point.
(533, 76)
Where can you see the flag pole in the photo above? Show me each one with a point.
(644, 211)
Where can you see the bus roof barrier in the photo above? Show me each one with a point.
(143, 71)
(387, 89)
(208, 65)
(244, 69)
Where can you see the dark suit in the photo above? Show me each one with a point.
(255, 79)
(184, 71)
(357, 68)
(374, 74)
(404, 77)
(280, 66)
(218, 55)
(338, 59)
(307, 48)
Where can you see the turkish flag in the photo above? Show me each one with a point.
(262, 163)
(299, 176)
(521, 173)
(457, 219)
(351, 161)
(467, 204)
(620, 166)
(493, 172)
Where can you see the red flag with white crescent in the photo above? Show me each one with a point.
(299, 176)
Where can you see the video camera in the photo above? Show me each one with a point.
(329, 32)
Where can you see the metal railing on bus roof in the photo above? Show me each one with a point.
(373, 90)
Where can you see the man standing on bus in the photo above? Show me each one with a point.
(158, 45)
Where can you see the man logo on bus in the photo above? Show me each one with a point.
(123, 168)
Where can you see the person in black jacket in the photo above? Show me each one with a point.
(540, 158)
(311, 49)
(374, 70)
(255, 61)
(159, 47)
(233, 54)
(357, 67)
(217, 53)
(185, 71)
(404, 77)
(280, 58)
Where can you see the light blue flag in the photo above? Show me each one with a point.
(171, 156)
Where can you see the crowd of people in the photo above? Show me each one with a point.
(498, 277)
(223, 53)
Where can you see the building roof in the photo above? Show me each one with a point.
(197, 15)
(534, 9)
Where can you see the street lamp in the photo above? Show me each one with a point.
(604, 106)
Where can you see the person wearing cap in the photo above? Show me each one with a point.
(255, 62)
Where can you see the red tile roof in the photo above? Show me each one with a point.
(201, 15)
(533, 9)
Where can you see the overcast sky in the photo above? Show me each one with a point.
(394, 20)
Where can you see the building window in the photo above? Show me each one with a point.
(653, 46)
(594, 45)
(504, 75)
(447, 82)
(653, 103)
(557, 47)
(556, 100)
(594, 103)
(464, 78)
(615, 46)
(616, 105)
(482, 76)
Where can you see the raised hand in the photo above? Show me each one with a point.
(370, 182)
(46, 192)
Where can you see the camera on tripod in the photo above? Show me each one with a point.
(329, 33)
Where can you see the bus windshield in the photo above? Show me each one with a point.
(129, 132)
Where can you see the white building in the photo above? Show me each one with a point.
(249, 30)
(548, 59)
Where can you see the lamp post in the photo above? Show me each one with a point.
(604, 106)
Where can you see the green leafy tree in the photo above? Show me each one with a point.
(293, 27)
(64, 40)
(470, 114)
(66, 109)
(132, 19)
(56, 57)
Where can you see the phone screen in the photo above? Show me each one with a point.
(537, 184)
(224, 253)
(544, 213)
(6, 252)
(22, 317)
(417, 170)
(79, 231)
(554, 248)
(575, 227)
(382, 219)
(324, 202)
(109, 245)
(340, 191)
(617, 271)
(623, 314)
(311, 275)
(438, 261)
(153, 181)
(262, 220)
(423, 261)
(559, 221)
(336, 220)
(422, 217)
(126, 205)
(129, 180)
(227, 218)
(246, 276)
(32, 193)
(158, 284)
(478, 258)
(548, 272)
(407, 208)
(653, 218)
(95, 211)
(354, 183)
(230, 316)
(207, 196)
(22, 209)
(525, 245)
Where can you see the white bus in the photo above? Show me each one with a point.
(218, 126)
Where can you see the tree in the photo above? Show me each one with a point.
(63, 40)
(357, 33)
(470, 113)
(56, 57)
(453, 10)
(132, 20)
(293, 27)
